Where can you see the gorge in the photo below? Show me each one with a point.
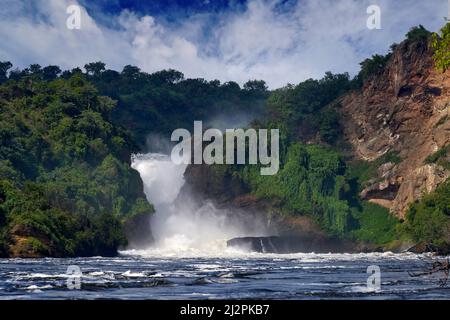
(184, 224)
(362, 183)
(395, 122)
(364, 161)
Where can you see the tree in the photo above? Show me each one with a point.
(131, 72)
(167, 76)
(15, 74)
(441, 46)
(34, 69)
(95, 68)
(232, 86)
(4, 67)
(50, 73)
(57, 191)
(429, 219)
(418, 33)
(256, 85)
(372, 66)
(328, 124)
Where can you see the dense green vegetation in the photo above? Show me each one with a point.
(65, 181)
(164, 101)
(429, 219)
(375, 224)
(362, 171)
(418, 33)
(371, 67)
(305, 109)
(311, 181)
(66, 187)
(315, 179)
(441, 45)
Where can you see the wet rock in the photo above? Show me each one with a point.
(425, 247)
(138, 232)
(291, 244)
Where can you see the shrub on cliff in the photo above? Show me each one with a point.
(375, 224)
(311, 181)
(440, 157)
(429, 219)
(418, 33)
(371, 67)
(441, 46)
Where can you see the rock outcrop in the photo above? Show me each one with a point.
(298, 244)
(405, 110)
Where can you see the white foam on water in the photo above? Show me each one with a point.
(185, 230)
(181, 229)
(130, 274)
(44, 275)
(34, 287)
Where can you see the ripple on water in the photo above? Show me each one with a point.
(259, 276)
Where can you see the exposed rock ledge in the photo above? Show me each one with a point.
(404, 110)
(292, 244)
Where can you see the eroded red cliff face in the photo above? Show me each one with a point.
(406, 110)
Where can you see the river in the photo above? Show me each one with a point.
(231, 275)
(190, 260)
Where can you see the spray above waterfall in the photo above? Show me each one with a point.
(182, 221)
(239, 146)
(185, 226)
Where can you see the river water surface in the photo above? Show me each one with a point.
(232, 275)
(189, 259)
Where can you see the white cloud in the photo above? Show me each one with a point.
(264, 41)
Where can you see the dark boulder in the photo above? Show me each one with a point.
(291, 244)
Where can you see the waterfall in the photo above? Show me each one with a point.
(180, 227)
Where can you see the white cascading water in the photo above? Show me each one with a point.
(182, 228)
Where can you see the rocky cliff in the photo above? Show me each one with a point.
(397, 123)
(405, 110)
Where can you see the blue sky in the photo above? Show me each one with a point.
(164, 8)
(280, 41)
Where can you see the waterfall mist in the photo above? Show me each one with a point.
(183, 225)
